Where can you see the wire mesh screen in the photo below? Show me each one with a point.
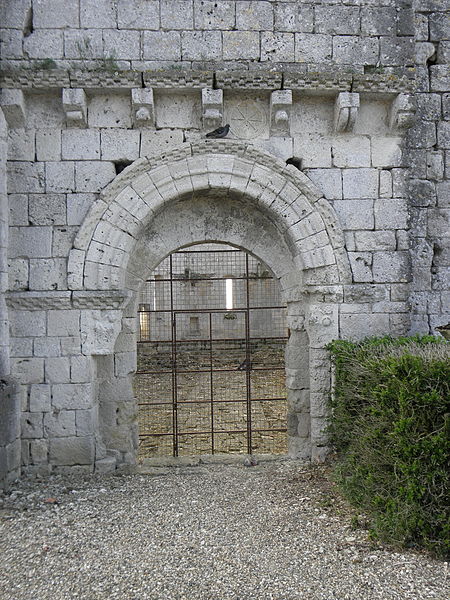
(210, 378)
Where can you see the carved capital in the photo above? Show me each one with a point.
(345, 111)
(280, 112)
(402, 112)
(75, 107)
(143, 105)
(212, 108)
(13, 106)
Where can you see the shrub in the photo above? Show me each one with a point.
(390, 426)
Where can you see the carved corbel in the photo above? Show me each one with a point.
(13, 106)
(75, 107)
(212, 108)
(280, 112)
(143, 105)
(345, 111)
(402, 112)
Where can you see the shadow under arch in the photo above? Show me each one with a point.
(224, 192)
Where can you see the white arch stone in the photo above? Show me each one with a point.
(117, 221)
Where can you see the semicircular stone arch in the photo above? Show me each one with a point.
(217, 191)
(117, 221)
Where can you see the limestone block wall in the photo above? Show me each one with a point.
(428, 154)
(91, 87)
(153, 34)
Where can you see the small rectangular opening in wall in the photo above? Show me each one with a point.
(194, 325)
(229, 294)
(144, 321)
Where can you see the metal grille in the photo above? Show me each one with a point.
(210, 375)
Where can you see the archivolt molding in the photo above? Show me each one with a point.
(125, 208)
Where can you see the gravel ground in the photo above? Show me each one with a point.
(275, 531)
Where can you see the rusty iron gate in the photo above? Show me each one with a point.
(210, 375)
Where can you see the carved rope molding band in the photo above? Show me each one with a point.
(389, 82)
(64, 300)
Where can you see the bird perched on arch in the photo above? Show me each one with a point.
(220, 132)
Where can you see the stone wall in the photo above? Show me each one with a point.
(428, 155)
(198, 34)
(356, 231)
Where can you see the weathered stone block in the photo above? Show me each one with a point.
(312, 47)
(352, 49)
(21, 145)
(162, 45)
(25, 177)
(48, 144)
(48, 274)
(357, 327)
(375, 240)
(99, 330)
(72, 451)
(397, 51)
(391, 267)
(313, 150)
(18, 209)
(443, 132)
(32, 425)
(60, 423)
(361, 266)
(120, 144)
(79, 144)
(386, 152)
(47, 346)
(214, 15)
(86, 422)
(385, 184)
(33, 242)
(39, 451)
(40, 398)
(47, 209)
(378, 21)
(292, 17)
(422, 135)
(80, 369)
(59, 177)
(93, 176)
(337, 19)
(63, 323)
(44, 44)
(119, 44)
(18, 274)
(77, 207)
(100, 15)
(143, 105)
(201, 45)
(109, 110)
(277, 47)
(28, 370)
(70, 396)
(391, 214)
(133, 14)
(329, 182)
(351, 151)
(355, 214)
(254, 15)
(160, 141)
(360, 183)
(57, 370)
(240, 45)
(53, 14)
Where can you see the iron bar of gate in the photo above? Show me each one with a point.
(211, 380)
(243, 343)
(174, 368)
(206, 431)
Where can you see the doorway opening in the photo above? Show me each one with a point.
(211, 356)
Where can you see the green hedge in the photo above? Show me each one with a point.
(390, 426)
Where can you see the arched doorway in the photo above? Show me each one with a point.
(210, 372)
(219, 191)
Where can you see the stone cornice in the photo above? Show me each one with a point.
(341, 80)
(107, 300)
